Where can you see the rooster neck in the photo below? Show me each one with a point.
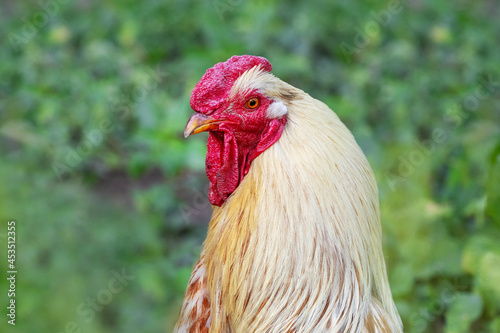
(301, 234)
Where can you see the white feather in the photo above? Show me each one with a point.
(276, 109)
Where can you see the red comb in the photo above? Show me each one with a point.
(212, 90)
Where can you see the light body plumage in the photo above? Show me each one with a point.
(297, 246)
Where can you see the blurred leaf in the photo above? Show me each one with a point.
(463, 311)
(495, 325)
(493, 188)
(477, 247)
(22, 132)
(487, 280)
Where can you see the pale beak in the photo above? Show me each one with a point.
(200, 123)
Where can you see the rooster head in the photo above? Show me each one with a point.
(234, 101)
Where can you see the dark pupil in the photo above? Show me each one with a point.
(253, 102)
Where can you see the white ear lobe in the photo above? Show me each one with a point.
(276, 109)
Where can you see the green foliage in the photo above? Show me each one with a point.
(94, 96)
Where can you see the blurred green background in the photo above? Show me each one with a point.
(94, 96)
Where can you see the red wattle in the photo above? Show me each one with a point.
(228, 160)
(222, 166)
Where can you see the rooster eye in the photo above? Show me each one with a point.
(252, 103)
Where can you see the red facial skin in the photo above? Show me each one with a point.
(243, 133)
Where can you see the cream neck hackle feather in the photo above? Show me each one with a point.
(297, 247)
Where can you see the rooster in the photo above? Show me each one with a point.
(294, 241)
